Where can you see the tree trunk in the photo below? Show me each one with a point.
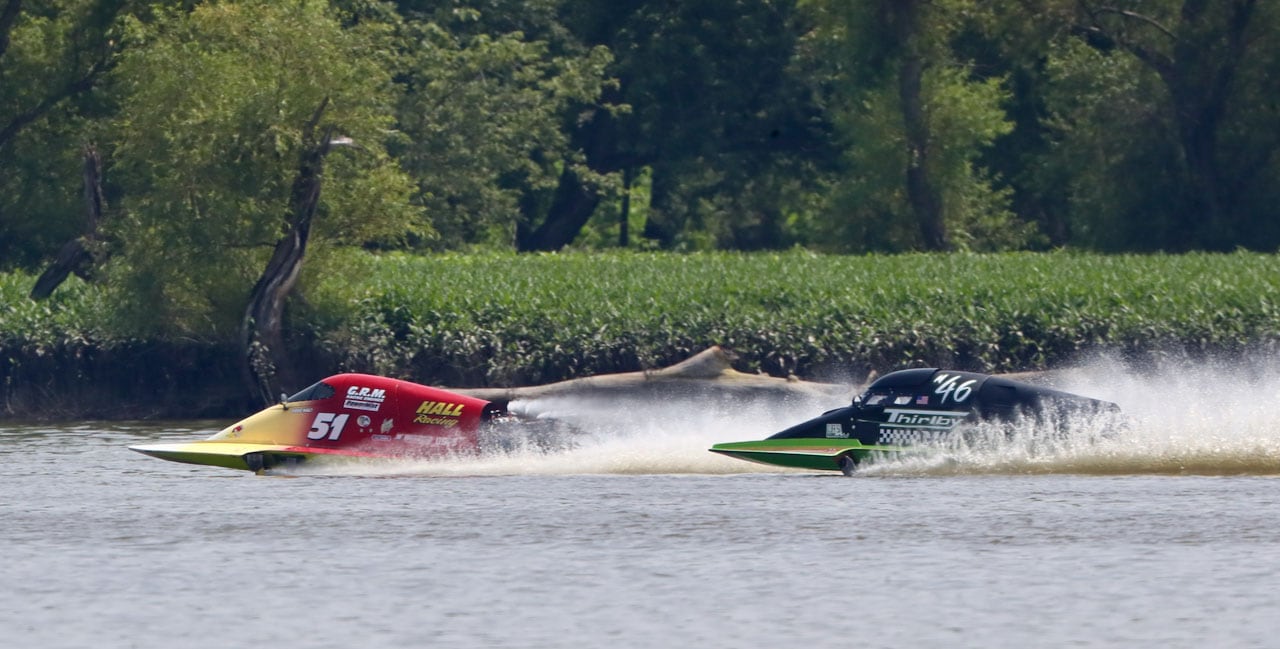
(922, 191)
(661, 223)
(571, 208)
(1199, 79)
(624, 219)
(573, 202)
(709, 370)
(1197, 68)
(266, 364)
(78, 255)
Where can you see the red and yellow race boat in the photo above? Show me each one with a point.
(345, 416)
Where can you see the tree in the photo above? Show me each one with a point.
(221, 114)
(915, 121)
(81, 254)
(483, 116)
(59, 52)
(53, 55)
(261, 337)
(904, 21)
(717, 121)
(1208, 61)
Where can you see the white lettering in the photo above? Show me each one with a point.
(945, 420)
(948, 387)
(359, 398)
(327, 424)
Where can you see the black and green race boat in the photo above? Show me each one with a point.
(911, 410)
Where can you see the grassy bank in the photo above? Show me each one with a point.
(513, 320)
(507, 319)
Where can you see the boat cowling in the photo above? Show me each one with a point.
(345, 415)
(928, 404)
(911, 409)
(368, 413)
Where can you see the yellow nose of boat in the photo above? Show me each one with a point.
(231, 455)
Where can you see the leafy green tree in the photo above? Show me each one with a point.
(702, 106)
(53, 55)
(483, 118)
(1164, 116)
(215, 106)
(720, 118)
(915, 120)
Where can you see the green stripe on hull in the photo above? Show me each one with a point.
(802, 453)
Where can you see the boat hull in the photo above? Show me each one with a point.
(247, 457)
(810, 454)
(916, 410)
(345, 416)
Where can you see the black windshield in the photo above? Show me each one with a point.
(320, 390)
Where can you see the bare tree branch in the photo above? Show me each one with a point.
(76, 87)
(80, 254)
(266, 366)
(1159, 62)
(1148, 20)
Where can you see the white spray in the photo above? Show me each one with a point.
(1195, 418)
(1184, 418)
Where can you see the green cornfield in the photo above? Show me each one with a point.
(505, 319)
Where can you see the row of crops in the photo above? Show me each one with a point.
(510, 320)
(530, 319)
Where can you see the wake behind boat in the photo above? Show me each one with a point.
(352, 416)
(908, 410)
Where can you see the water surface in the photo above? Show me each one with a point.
(1169, 537)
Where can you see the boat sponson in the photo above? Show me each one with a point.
(232, 455)
(801, 453)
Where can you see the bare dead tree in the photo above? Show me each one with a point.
(266, 365)
(81, 254)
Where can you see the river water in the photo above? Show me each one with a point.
(1168, 536)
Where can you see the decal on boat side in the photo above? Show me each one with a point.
(912, 435)
(835, 430)
(435, 421)
(327, 424)
(439, 413)
(428, 441)
(440, 408)
(948, 387)
(945, 420)
(364, 398)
